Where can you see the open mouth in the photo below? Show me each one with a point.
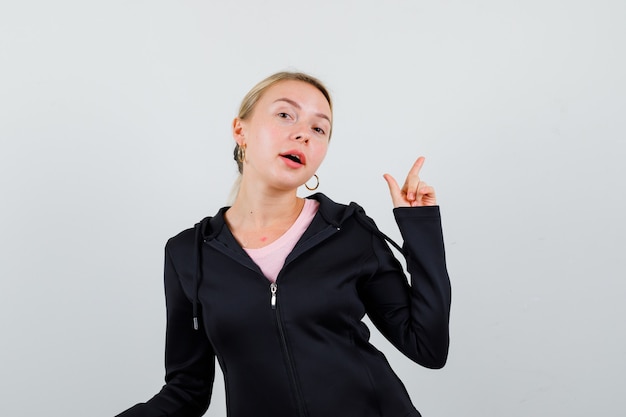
(294, 158)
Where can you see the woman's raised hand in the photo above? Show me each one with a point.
(414, 192)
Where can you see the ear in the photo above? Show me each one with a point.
(238, 131)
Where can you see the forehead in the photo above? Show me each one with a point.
(299, 91)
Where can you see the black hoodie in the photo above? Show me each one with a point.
(300, 348)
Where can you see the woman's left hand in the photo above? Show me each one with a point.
(414, 192)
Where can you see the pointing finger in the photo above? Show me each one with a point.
(417, 166)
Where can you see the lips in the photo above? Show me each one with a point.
(295, 156)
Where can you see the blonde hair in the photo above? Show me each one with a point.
(250, 100)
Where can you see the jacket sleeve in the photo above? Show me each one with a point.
(189, 359)
(414, 318)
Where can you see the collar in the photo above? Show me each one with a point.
(332, 212)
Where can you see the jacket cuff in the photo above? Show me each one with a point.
(416, 212)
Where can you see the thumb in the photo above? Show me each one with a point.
(394, 189)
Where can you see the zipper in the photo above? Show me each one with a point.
(273, 289)
(283, 340)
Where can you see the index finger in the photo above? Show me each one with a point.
(417, 166)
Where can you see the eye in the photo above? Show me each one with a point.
(283, 115)
(319, 130)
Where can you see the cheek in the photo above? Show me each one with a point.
(320, 151)
(263, 139)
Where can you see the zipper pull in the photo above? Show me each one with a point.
(273, 289)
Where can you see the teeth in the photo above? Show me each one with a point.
(294, 158)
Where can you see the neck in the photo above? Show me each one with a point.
(262, 208)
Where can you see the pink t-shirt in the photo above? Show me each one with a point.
(271, 258)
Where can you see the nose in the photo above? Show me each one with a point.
(300, 132)
(301, 137)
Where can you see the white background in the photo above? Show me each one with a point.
(114, 128)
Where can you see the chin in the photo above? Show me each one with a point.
(288, 185)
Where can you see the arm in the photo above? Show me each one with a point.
(415, 317)
(189, 359)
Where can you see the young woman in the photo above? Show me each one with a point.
(275, 286)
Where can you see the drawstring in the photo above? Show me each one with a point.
(367, 222)
(198, 277)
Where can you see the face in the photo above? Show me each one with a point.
(286, 137)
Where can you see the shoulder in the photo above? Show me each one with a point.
(181, 247)
(186, 240)
(181, 239)
(333, 212)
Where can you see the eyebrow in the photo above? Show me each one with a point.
(297, 106)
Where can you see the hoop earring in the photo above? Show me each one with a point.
(316, 185)
(241, 153)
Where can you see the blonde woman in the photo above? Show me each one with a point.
(275, 287)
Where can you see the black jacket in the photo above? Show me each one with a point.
(300, 348)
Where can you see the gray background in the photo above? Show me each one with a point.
(114, 121)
